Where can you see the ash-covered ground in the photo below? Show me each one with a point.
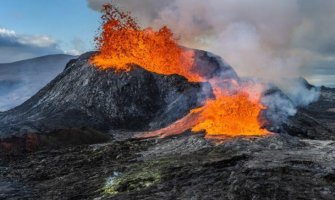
(60, 144)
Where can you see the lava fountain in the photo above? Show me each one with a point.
(123, 44)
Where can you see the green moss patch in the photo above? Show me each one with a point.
(133, 181)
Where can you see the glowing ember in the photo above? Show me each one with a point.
(122, 43)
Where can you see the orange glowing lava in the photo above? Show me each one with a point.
(228, 115)
(123, 43)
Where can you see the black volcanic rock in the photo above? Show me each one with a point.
(183, 167)
(85, 96)
(315, 121)
(55, 139)
(59, 159)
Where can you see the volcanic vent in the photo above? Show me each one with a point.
(86, 96)
(233, 111)
(142, 80)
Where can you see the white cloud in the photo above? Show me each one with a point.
(6, 32)
(74, 52)
(39, 41)
(34, 40)
(78, 47)
(14, 47)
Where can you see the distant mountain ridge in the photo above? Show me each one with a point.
(22, 79)
(40, 58)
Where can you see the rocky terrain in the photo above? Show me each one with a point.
(317, 121)
(183, 167)
(84, 95)
(60, 144)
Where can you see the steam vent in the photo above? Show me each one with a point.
(145, 118)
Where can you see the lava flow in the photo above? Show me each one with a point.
(123, 43)
(229, 114)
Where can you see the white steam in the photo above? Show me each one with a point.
(260, 38)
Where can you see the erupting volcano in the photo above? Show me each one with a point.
(142, 117)
(123, 43)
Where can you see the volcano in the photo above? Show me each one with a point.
(58, 128)
(86, 96)
(145, 118)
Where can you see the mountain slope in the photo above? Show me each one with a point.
(85, 96)
(21, 80)
(68, 164)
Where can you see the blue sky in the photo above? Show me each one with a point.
(69, 24)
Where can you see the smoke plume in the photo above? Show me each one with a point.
(269, 40)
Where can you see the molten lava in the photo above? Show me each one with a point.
(230, 114)
(123, 43)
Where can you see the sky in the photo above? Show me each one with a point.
(32, 28)
(266, 39)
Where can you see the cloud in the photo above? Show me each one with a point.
(78, 47)
(14, 47)
(6, 32)
(272, 40)
(144, 10)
